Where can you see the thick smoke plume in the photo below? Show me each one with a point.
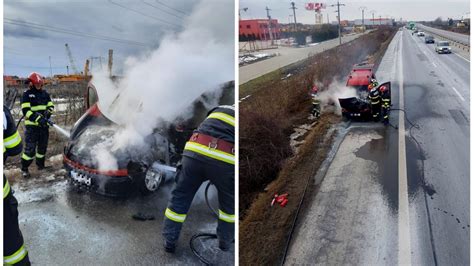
(161, 85)
(329, 97)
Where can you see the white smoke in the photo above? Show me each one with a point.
(330, 98)
(161, 85)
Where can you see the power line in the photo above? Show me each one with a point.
(34, 67)
(162, 10)
(172, 8)
(146, 15)
(70, 32)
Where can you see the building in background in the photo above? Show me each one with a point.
(375, 22)
(257, 29)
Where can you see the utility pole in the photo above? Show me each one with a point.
(109, 66)
(380, 17)
(67, 70)
(339, 19)
(244, 9)
(294, 13)
(50, 68)
(269, 24)
(373, 17)
(327, 15)
(363, 24)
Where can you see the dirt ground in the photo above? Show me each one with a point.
(264, 231)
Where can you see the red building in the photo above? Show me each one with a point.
(257, 29)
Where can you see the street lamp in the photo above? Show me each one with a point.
(243, 9)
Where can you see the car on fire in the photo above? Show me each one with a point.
(135, 169)
(358, 107)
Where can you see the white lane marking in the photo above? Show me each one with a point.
(404, 245)
(462, 57)
(434, 64)
(459, 94)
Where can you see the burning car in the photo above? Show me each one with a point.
(358, 108)
(94, 164)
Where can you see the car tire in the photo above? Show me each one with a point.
(146, 179)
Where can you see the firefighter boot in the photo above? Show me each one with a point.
(224, 245)
(169, 247)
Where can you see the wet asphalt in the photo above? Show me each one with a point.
(64, 227)
(353, 219)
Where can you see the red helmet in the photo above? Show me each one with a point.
(36, 79)
(383, 88)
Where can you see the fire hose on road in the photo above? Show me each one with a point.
(204, 235)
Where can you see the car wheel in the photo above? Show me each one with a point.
(147, 179)
(153, 180)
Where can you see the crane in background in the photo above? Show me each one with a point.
(71, 59)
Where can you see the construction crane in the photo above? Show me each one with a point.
(71, 59)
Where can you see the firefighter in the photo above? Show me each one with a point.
(14, 251)
(385, 96)
(315, 102)
(374, 83)
(37, 108)
(208, 155)
(374, 97)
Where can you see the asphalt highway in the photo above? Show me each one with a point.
(398, 194)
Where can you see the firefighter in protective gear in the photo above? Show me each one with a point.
(374, 83)
(385, 97)
(14, 251)
(208, 155)
(375, 102)
(37, 108)
(315, 102)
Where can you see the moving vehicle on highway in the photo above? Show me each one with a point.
(420, 34)
(132, 168)
(442, 47)
(429, 39)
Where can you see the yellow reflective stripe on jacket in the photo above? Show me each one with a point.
(25, 105)
(31, 123)
(223, 117)
(230, 218)
(38, 108)
(6, 189)
(179, 218)
(19, 255)
(39, 155)
(212, 153)
(50, 104)
(12, 141)
(28, 114)
(26, 157)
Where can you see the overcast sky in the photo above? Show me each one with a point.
(27, 49)
(408, 10)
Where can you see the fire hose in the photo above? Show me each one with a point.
(204, 235)
(59, 129)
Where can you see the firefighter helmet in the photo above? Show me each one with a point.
(35, 79)
(383, 88)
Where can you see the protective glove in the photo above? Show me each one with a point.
(49, 112)
(43, 122)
